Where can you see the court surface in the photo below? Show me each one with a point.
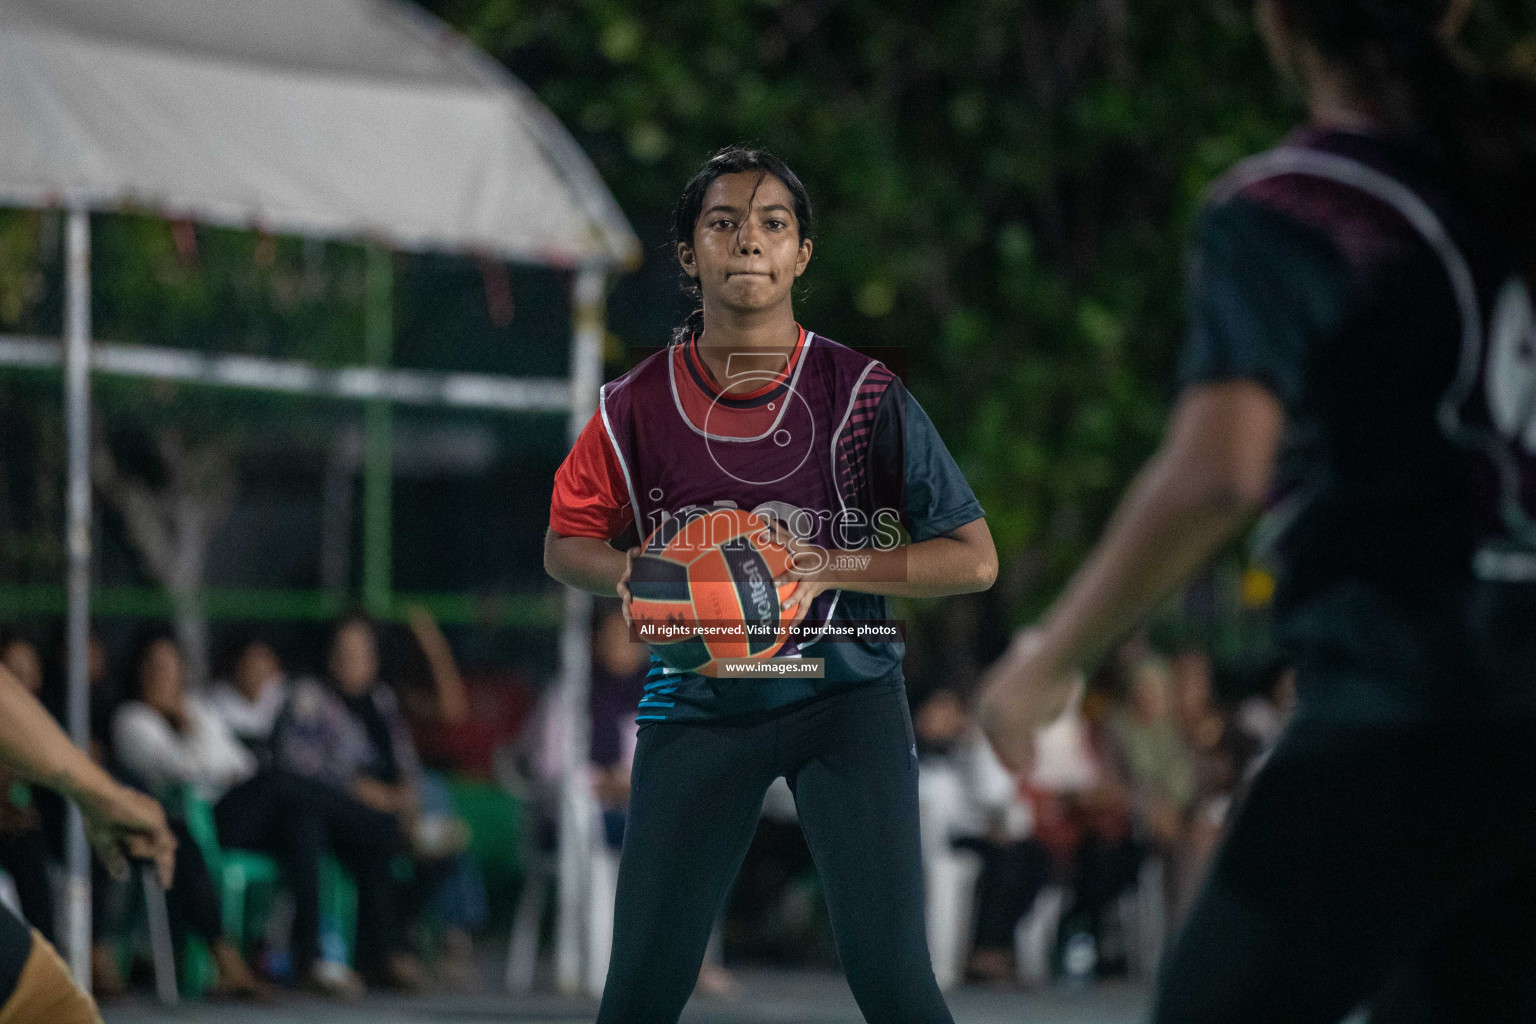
(766, 998)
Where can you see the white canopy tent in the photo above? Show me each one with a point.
(357, 119)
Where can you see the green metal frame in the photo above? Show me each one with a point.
(524, 610)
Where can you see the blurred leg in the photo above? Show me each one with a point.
(1352, 843)
(366, 842)
(1011, 877)
(1480, 967)
(268, 813)
(697, 792)
(857, 797)
(193, 899)
(46, 992)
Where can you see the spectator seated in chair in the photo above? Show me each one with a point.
(165, 739)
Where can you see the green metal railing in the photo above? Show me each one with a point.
(522, 610)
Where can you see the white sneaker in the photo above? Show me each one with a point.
(336, 980)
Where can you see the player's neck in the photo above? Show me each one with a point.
(770, 334)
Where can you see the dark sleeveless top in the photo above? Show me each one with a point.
(1393, 325)
(827, 449)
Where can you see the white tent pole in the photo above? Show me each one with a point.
(77, 429)
(577, 817)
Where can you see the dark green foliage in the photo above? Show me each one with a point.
(1003, 187)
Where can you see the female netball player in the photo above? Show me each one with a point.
(751, 410)
(1362, 356)
(35, 986)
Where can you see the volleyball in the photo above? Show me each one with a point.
(706, 578)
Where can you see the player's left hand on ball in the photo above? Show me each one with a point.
(806, 563)
(1019, 694)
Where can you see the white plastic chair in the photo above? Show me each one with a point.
(949, 875)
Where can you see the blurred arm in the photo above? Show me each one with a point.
(447, 684)
(33, 745)
(1205, 483)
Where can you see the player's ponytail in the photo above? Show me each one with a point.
(1482, 123)
(730, 160)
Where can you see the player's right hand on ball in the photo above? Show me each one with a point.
(624, 595)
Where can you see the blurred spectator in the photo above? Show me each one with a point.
(1154, 765)
(1220, 749)
(109, 896)
(617, 683)
(619, 667)
(165, 739)
(940, 722)
(988, 813)
(347, 732)
(454, 883)
(253, 696)
(1083, 818)
(444, 699)
(1150, 752)
(1220, 753)
(1263, 715)
(619, 670)
(294, 818)
(105, 689)
(21, 658)
(23, 845)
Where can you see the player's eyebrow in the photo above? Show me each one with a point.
(723, 208)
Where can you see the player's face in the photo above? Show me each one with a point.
(746, 250)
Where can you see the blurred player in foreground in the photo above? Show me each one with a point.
(1362, 357)
(35, 985)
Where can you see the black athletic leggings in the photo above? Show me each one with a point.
(298, 820)
(697, 791)
(1392, 866)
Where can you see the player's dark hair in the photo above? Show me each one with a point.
(1482, 122)
(685, 218)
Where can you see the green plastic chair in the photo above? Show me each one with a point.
(237, 872)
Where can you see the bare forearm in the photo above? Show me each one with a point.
(447, 684)
(932, 568)
(1168, 525)
(33, 745)
(585, 563)
(1214, 468)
